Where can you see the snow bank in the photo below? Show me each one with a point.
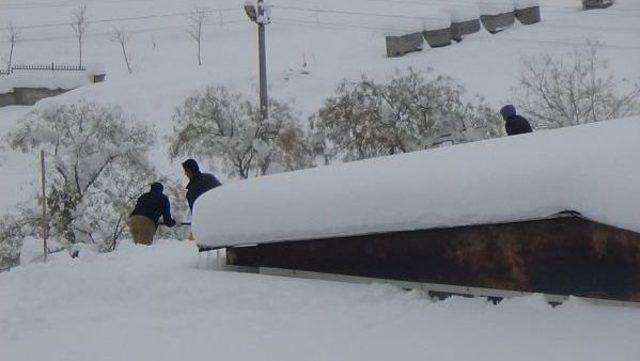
(592, 169)
(152, 303)
(524, 4)
(5, 84)
(463, 10)
(495, 7)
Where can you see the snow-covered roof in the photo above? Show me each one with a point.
(44, 79)
(592, 169)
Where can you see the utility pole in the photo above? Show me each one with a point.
(260, 16)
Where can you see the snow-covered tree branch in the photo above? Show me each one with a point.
(409, 112)
(225, 127)
(97, 166)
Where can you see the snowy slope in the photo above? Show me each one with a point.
(591, 169)
(334, 46)
(154, 304)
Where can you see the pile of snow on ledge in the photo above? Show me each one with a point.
(592, 169)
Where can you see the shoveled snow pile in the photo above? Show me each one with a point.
(153, 303)
(592, 169)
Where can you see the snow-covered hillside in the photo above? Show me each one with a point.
(160, 303)
(154, 303)
(333, 46)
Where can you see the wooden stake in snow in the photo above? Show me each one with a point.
(44, 205)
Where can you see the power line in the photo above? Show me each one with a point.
(354, 13)
(428, 3)
(131, 18)
(346, 12)
(109, 33)
(498, 37)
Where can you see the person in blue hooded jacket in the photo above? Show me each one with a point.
(199, 182)
(514, 124)
(143, 221)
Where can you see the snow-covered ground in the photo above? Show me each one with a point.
(154, 303)
(334, 46)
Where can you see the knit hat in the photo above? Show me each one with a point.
(508, 111)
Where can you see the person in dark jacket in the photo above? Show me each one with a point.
(143, 221)
(199, 182)
(513, 123)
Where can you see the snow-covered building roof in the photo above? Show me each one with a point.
(592, 169)
(44, 79)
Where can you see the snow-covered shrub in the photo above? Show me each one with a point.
(96, 167)
(411, 111)
(576, 87)
(11, 235)
(225, 127)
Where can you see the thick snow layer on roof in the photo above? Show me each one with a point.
(592, 169)
(44, 79)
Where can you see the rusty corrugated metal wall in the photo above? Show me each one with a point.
(559, 256)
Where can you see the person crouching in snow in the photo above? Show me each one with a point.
(143, 221)
(199, 182)
(514, 124)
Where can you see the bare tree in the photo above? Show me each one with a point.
(13, 37)
(79, 26)
(196, 22)
(559, 90)
(121, 37)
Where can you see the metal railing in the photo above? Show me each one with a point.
(42, 67)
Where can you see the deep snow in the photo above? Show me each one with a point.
(153, 303)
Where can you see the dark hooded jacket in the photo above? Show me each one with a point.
(199, 184)
(154, 205)
(514, 124)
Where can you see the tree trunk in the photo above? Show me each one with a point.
(199, 52)
(10, 57)
(80, 50)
